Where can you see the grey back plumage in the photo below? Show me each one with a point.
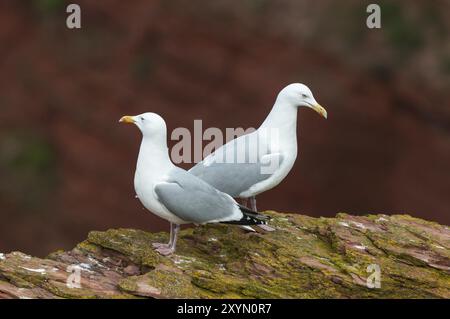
(225, 171)
(193, 200)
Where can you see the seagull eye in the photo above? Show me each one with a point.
(304, 96)
(142, 118)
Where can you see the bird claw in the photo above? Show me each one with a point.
(165, 251)
(160, 245)
(266, 227)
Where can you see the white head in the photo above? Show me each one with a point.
(150, 124)
(297, 95)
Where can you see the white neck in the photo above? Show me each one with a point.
(282, 117)
(154, 155)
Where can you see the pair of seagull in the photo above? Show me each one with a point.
(204, 194)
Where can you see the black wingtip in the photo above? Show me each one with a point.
(250, 217)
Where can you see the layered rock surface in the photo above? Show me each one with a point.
(304, 258)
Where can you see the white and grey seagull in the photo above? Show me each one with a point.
(173, 193)
(256, 162)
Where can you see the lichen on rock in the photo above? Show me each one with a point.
(304, 258)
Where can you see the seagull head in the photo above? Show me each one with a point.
(297, 94)
(149, 123)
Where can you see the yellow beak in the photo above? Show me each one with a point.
(126, 119)
(319, 109)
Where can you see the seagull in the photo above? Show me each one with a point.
(256, 162)
(173, 193)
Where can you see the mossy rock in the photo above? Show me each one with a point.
(304, 257)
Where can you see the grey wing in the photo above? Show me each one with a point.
(193, 200)
(232, 179)
(235, 167)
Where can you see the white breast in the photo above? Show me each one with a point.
(144, 186)
(286, 145)
(273, 180)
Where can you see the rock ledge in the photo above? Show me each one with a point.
(305, 258)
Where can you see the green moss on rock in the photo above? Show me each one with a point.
(304, 258)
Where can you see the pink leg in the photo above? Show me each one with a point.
(253, 203)
(162, 245)
(168, 250)
(253, 207)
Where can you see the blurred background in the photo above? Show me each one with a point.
(66, 165)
